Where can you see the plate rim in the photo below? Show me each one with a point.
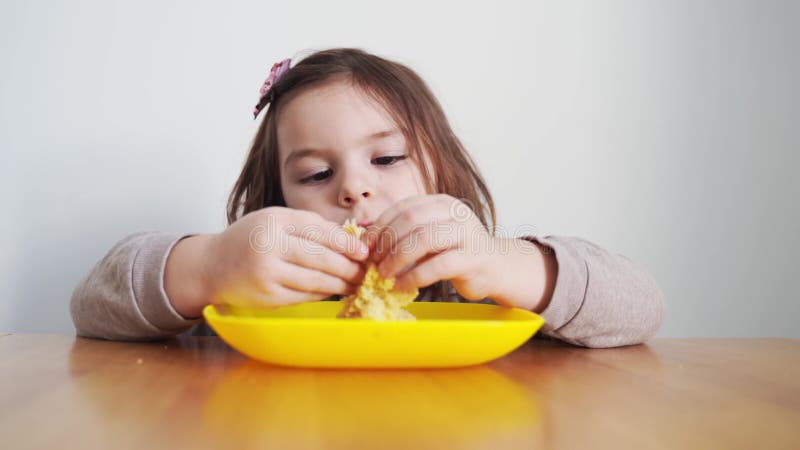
(532, 317)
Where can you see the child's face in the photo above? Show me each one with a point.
(342, 156)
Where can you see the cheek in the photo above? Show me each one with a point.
(297, 199)
(404, 183)
(417, 180)
(315, 199)
(294, 196)
(421, 186)
(289, 194)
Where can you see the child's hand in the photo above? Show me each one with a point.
(277, 256)
(428, 238)
(434, 237)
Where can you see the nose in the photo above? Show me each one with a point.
(348, 198)
(354, 191)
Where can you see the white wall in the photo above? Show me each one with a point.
(666, 131)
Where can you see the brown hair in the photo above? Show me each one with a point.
(409, 102)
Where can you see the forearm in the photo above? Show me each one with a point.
(186, 275)
(123, 297)
(527, 276)
(600, 299)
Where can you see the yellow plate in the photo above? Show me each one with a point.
(310, 335)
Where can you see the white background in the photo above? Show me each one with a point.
(665, 131)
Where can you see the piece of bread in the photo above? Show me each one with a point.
(376, 297)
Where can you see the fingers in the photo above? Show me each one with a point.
(284, 295)
(444, 266)
(313, 255)
(274, 296)
(398, 208)
(312, 227)
(391, 213)
(312, 281)
(422, 242)
(425, 224)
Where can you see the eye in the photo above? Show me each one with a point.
(388, 160)
(317, 177)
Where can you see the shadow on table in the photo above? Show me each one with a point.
(267, 404)
(202, 393)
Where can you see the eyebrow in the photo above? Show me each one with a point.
(302, 153)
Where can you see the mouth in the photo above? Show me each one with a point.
(364, 223)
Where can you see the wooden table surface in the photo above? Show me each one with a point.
(58, 391)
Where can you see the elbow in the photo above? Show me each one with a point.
(637, 323)
(78, 312)
(654, 313)
(91, 316)
(611, 301)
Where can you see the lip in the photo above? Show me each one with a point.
(364, 223)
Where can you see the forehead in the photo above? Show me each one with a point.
(336, 115)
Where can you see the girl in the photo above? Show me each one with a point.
(348, 134)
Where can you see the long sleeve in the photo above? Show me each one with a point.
(123, 296)
(600, 299)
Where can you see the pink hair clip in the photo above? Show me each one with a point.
(266, 94)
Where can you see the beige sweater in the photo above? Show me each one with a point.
(600, 299)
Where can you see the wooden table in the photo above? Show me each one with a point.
(195, 393)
